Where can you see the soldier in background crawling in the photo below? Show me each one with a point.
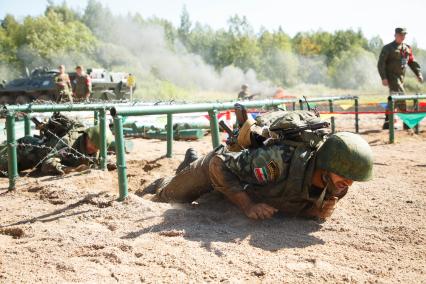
(65, 145)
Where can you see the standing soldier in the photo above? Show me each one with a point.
(63, 85)
(83, 85)
(392, 64)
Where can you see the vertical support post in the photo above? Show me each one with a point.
(95, 117)
(12, 163)
(169, 135)
(391, 121)
(121, 158)
(27, 125)
(214, 126)
(294, 105)
(356, 115)
(416, 109)
(103, 142)
(301, 104)
(333, 125)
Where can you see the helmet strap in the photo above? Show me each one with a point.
(330, 187)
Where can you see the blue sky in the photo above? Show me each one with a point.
(373, 17)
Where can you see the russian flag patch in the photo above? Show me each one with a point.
(261, 175)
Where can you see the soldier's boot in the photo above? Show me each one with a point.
(385, 125)
(190, 156)
(153, 188)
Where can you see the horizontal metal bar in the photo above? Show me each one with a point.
(325, 99)
(188, 108)
(28, 108)
(406, 97)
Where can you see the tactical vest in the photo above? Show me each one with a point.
(280, 174)
(281, 171)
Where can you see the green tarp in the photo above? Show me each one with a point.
(411, 119)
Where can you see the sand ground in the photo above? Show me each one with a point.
(72, 229)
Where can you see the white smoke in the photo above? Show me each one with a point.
(144, 48)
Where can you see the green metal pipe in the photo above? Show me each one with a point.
(169, 135)
(416, 109)
(12, 156)
(121, 158)
(391, 122)
(95, 117)
(408, 97)
(28, 108)
(103, 145)
(214, 126)
(333, 125)
(356, 115)
(337, 98)
(188, 108)
(27, 125)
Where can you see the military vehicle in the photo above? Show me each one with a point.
(40, 85)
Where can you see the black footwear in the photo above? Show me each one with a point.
(190, 156)
(385, 125)
(152, 188)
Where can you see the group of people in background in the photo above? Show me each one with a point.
(82, 85)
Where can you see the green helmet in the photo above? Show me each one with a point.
(348, 155)
(94, 135)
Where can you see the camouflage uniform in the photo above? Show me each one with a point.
(83, 85)
(279, 175)
(392, 64)
(51, 153)
(63, 87)
(70, 151)
(242, 95)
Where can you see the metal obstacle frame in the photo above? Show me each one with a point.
(391, 110)
(330, 101)
(211, 108)
(10, 111)
(118, 110)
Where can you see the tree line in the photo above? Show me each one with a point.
(340, 59)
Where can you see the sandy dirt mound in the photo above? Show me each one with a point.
(72, 229)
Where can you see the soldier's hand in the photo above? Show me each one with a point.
(79, 168)
(260, 211)
(385, 82)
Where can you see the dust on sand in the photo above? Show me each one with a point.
(72, 229)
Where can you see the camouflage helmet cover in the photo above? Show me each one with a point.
(348, 155)
(94, 134)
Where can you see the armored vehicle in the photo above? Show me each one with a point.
(40, 85)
